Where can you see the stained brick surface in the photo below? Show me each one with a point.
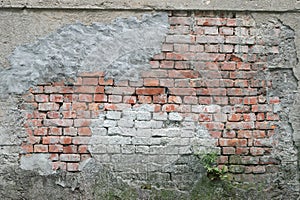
(209, 70)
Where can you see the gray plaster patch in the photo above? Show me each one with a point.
(37, 162)
(136, 149)
(121, 49)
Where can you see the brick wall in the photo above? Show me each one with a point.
(208, 88)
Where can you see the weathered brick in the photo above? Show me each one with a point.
(70, 157)
(48, 106)
(150, 91)
(40, 148)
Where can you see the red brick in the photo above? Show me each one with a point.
(129, 99)
(89, 89)
(259, 134)
(48, 106)
(242, 151)
(82, 122)
(59, 165)
(232, 142)
(70, 157)
(79, 106)
(240, 125)
(175, 99)
(68, 98)
(50, 140)
(166, 82)
(181, 47)
(85, 97)
(144, 99)
(249, 117)
(89, 81)
(205, 100)
(100, 98)
(241, 91)
(229, 134)
(72, 167)
(105, 81)
(241, 83)
(183, 74)
(170, 107)
(211, 21)
(213, 125)
(39, 148)
(81, 140)
(67, 106)
(56, 98)
(68, 114)
(264, 125)
(215, 134)
(65, 140)
(167, 64)
(54, 115)
(211, 91)
(27, 148)
(36, 89)
(182, 91)
(70, 131)
(161, 99)
(244, 134)
(83, 149)
(151, 82)
(114, 98)
(234, 117)
(150, 91)
(220, 100)
(228, 150)
(33, 140)
(229, 66)
(55, 148)
(54, 157)
(182, 65)
(190, 100)
(55, 131)
(41, 98)
(256, 151)
(260, 116)
(182, 83)
(205, 117)
(41, 131)
(69, 149)
(58, 122)
(84, 131)
(33, 123)
(250, 100)
(243, 66)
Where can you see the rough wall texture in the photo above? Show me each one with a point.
(118, 111)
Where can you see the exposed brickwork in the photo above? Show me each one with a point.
(210, 68)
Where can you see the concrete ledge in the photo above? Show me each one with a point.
(227, 5)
